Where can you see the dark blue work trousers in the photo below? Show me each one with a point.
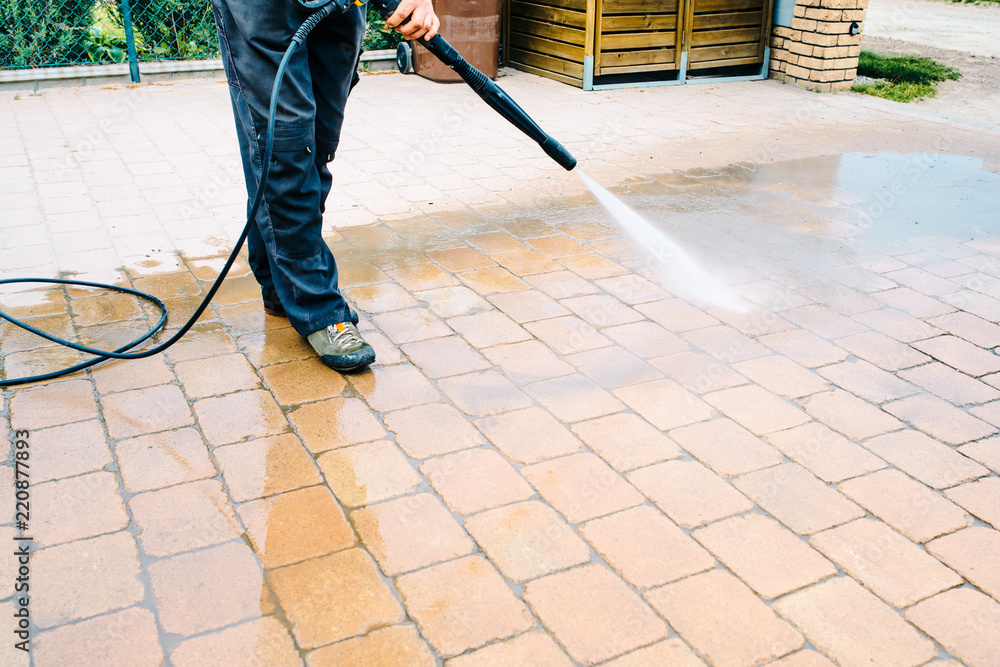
(292, 263)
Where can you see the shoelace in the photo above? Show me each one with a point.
(345, 338)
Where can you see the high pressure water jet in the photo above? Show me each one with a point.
(491, 93)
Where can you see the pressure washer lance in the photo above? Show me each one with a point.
(491, 93)
(486, 89)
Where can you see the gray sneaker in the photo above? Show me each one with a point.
(341, 347)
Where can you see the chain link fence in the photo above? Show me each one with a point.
(52, 33)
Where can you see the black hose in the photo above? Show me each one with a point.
(120, 353)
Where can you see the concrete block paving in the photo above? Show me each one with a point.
(556, 459)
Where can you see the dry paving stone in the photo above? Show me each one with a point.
(183, 517)
(677, 315)
(142, 411)
(886, 353)
(432, 430)
(699, 606)
(673, 652)
(850, 415)
(531, 648)
(646, 339)
(974, 553)
(485, 393)
(334, 597)
(940, 419)
(665, 404)
(781, 376)
(908, 506)
(263, 641)
(925, 459)
(986, 452)
(84, 578)
(853, 627)
(208, 589)
(53, 404)
(689, 493)
(947, 383)
(804, 348)
(767, 556)
(797, 498)
(100, 641)
(593, 613)
(888, 564)
(409, 533)
(613, 367)
(980, 498)
(964, 622)
(548, 438)
(757, 409)
(462, 605)
(368, 473)
(726, 447)
(396, 645)
(265, 467)
(824, 452)
(581, 486)
(441, 357)
(699, 373)
(75, 508)
(239, 416)
(625, 441)
(573, 398)
(473, 480)
(867, 381)
(804, 658)
(163, 459)
(960, 355)
(527, 540)
(645, 547)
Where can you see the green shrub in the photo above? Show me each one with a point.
(170, 29)
(36, 33)
(376, 37)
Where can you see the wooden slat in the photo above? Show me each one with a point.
(654, 57)
(571, 80)
(546, 63)
(739, 36)
(731, 62)
(633, 69)
(547, 47)
(548, 31)
(728, 20)
(575, 5)
(649, 40)
(639, 6)
(558, 15)
(639, 23)
(701, 6)
(706, 53)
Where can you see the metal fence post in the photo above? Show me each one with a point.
(133, 59)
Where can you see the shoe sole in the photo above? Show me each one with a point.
(367, 357)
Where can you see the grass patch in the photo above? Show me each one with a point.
(901, 78)
(897, 92)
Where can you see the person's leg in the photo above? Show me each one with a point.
(299, 269)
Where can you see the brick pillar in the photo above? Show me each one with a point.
(818, 51)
